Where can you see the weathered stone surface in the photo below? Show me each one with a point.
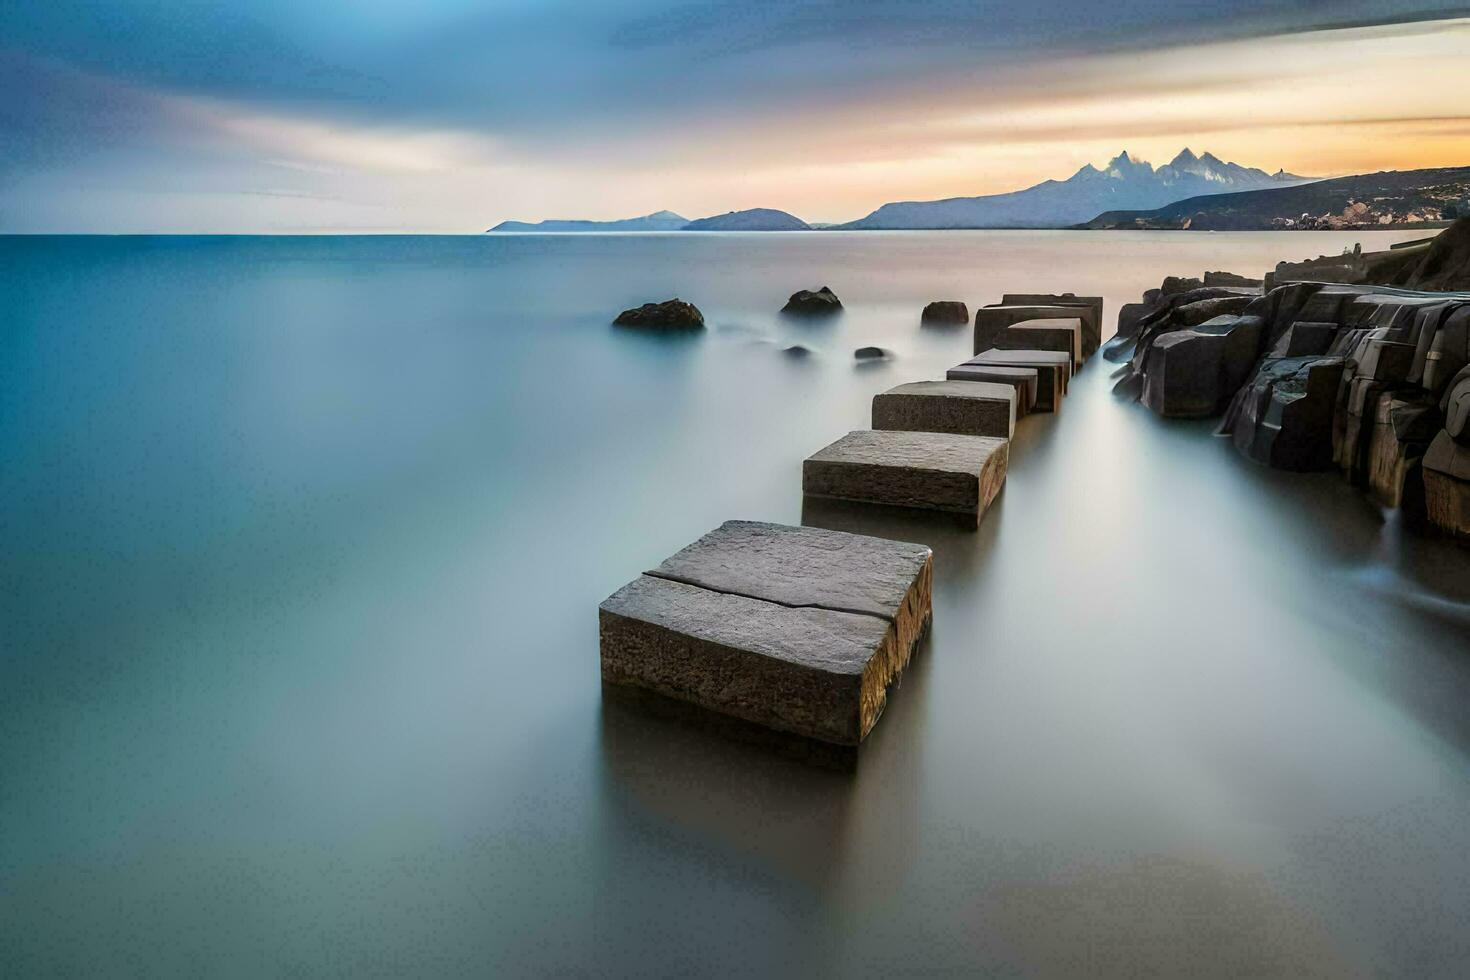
(972, 408)
(672, 314)
(1385, 360)
(991, 320)
(1229, 279)
(1053, 371)
(1194, 373)
(1455, 406)
(1305, 339)
(1193, 314)
(1130, 317)
(797, 629)
(1447, 486)
(1023, 379)
(946, 311)
(1449, 352)
(1283, 417)
(812, 302)
(1092, 321)
(1402, 430)
(1050, 333)
(956, 474)
(1179, 284)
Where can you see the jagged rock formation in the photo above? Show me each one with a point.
(1372, 380)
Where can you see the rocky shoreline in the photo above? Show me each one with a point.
(1359, 363)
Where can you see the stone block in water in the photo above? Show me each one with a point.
(934, 471)
(1053, 370)
(796, 629)
(1023, 379)
(1195, 372)
(1049, 333)
(1285, 413)
(991, 320)
(1447, 486)
(975, 408)
(1091, 320)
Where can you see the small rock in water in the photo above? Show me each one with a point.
(673, 314)
(796, 350)
(946, 311)
(808, 302)
(869, 353)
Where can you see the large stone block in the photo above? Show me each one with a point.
(1402, 430)
(1091, 323)
(1194, 373)
(1023, 379)
(974, 408)
(1284, 415)
(1305, 339)
(1447, 486)
(1053, 371)
(1051, 333)
(1449, 352)
(796, 629)
(991, 320)
(937, 471)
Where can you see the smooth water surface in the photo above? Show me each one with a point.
(303, 541)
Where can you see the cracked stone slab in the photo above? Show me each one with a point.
(1053, 368)
(975, 408)
(939, 471)
(800, 630)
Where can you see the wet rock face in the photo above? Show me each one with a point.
(813, 302)
(673, 314)
(945, 311)
(1194, 373)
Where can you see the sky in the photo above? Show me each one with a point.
(200, 116)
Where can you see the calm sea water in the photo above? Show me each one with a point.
(302, 540)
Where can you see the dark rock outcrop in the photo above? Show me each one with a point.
(813, 302)
(1284, 415)
(945, 311)
(673, 314)
(1195, 372)
(869, 353)
(1446, 263)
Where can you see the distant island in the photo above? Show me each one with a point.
(1393, 197)
(754, 219)
(658, 221)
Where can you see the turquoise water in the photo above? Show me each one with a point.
(303, 541)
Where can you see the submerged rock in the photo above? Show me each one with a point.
(813, 302)
(946, 311)
(869, 353)
(673, 314)
(797, 351)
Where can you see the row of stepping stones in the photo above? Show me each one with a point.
(801, 632)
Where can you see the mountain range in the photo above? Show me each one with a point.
(1126, 183)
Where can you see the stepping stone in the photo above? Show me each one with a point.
(1052, 333)
(796, 629)
(1053, 370)
(939, 471)
(991, 320)
(1023, 379)
(971, 408)
(1091, 321)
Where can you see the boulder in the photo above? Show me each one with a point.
(869, 353)
(1179, 284)
(795, 629)
(1130, 317)
(974, 408)
(672, 314)
(1194, 373)
(1283, 416)
(945, 311)
(813, 302)
(1446, 469)
(937, 471)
